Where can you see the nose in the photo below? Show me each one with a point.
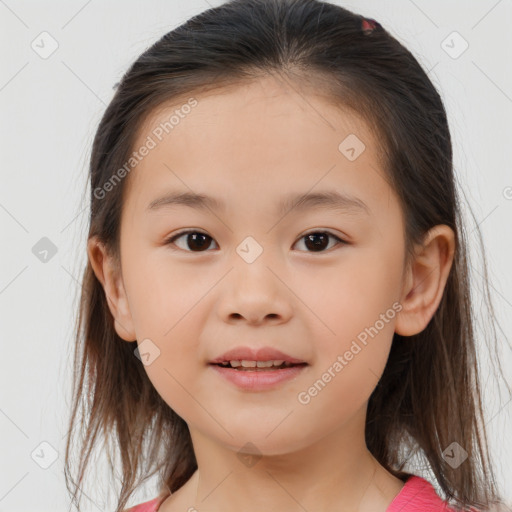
(255, 294)
(253, 318)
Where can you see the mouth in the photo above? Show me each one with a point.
(248, 358)
(257, 366)
(258, 376)
(257, 369)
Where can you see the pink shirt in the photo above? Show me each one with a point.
(417, 495)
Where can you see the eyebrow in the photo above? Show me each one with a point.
(328, 199)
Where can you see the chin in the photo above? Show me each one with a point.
(258, 444)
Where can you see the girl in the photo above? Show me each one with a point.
(275, 314)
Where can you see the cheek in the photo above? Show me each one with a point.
(163, 295)
(165, 307)
(357, 305)
(353, 293)
(174, 327)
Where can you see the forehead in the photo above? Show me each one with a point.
(260, 137)
(264, 100)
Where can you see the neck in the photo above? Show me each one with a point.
(336, 473)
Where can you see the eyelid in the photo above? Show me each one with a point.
(322, 230)
(172, 237)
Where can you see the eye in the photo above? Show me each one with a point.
(197, 241)
(317, 240)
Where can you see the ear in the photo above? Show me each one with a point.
(425, 280)
(109, 275)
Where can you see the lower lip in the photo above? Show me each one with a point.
(258, 380)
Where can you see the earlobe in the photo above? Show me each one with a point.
(110, 278)
(425, 280)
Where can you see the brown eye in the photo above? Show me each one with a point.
(195, 241)
(317, 241)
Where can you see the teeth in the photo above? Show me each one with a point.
(259, 364)
(267, 364)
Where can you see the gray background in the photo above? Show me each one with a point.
(50, 108)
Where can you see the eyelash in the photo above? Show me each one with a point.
(171, 239)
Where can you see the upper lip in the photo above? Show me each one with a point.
(255, 354)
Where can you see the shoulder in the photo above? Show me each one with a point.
(418, 495)
(147, 506)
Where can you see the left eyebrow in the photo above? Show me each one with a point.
(328, 199)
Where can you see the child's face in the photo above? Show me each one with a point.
(250, 148)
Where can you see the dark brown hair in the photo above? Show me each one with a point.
(430, 393)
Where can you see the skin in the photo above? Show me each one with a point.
(248, 146)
